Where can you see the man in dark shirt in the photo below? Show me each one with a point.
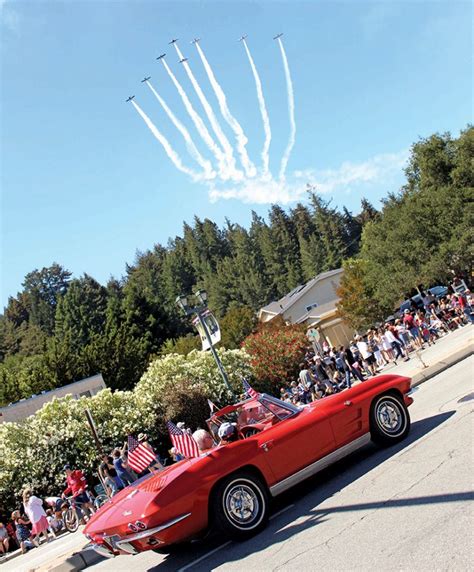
(109, 475)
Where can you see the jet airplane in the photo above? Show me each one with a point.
(161, 57)
(183, 60)
(278, 36)
(242, 38)
(173, 41)
(146, 79)
(196, 40)
(130, 98)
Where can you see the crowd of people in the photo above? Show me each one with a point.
(333, 369)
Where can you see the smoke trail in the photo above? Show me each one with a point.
(291, 112)
(204, 163)
(263, 112)
(212, 118)
(202, 129)
(242, 140)
(167, 147)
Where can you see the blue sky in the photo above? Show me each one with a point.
(85, 183)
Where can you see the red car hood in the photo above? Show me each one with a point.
(135, 501)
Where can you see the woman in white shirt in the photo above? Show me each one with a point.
(35, 512)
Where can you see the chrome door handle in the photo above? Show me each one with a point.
(265, 446)
(347, 403)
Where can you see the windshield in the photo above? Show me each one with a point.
(264, 411)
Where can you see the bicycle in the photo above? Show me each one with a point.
(73, 514)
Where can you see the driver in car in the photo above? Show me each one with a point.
(227, 433)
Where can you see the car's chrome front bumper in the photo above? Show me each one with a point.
(119, 544)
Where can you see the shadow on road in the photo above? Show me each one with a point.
(306, 498)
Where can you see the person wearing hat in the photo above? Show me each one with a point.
(227, 433)
(156, 464)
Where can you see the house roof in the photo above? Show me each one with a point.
(318, 313)
(280, 306)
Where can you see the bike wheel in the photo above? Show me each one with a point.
(71, 520)
(100, 500)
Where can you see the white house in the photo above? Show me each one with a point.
(26, 407)
(313, 304)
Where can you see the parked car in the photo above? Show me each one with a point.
(439, 291)
(229, 486)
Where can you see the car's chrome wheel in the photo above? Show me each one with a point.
(240, 505)
(389, 416)
(389, 419)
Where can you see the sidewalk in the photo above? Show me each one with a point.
(47, 556)
(446, 352)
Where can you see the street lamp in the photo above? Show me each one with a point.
(183, 303)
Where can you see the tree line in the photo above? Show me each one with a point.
(60, 328)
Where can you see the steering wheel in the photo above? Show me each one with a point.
(249, 431)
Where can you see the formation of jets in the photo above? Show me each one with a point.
(194, 41)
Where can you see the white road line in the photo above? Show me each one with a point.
(281, 511)
(204, 556)
(211, 552)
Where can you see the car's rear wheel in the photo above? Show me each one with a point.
(389, 419)
(240, 505)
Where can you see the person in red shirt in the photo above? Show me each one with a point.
(411, 326)
(77, 485)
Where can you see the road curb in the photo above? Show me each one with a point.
(441, 366)
(79, 561)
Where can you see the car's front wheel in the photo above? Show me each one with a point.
(389, 419)
(240, 505)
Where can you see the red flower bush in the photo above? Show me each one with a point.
(275, 355)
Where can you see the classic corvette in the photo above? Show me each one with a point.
(229, 486)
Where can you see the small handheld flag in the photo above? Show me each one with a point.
(183, 442)
(248, 389)
(139, 456)
(212, 406)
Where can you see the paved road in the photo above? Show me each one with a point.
(404, 508)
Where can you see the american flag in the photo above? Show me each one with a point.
(249, 390)
(212, 406)
(139, 456)
(183, 442)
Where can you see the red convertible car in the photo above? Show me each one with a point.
(230, 485)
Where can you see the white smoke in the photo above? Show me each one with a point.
(263, 112)
(235, 173)
(291, 112)
(241, 139)
(202, 129)
(166, 146)
(209, 173)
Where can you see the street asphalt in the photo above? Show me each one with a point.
(409, 507)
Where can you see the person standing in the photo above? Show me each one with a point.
(367, 355)
(35, 512)
(4, 540)
(109, 476)
(121, 466)
(22, 531)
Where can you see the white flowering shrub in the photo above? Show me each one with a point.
(34, 451)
